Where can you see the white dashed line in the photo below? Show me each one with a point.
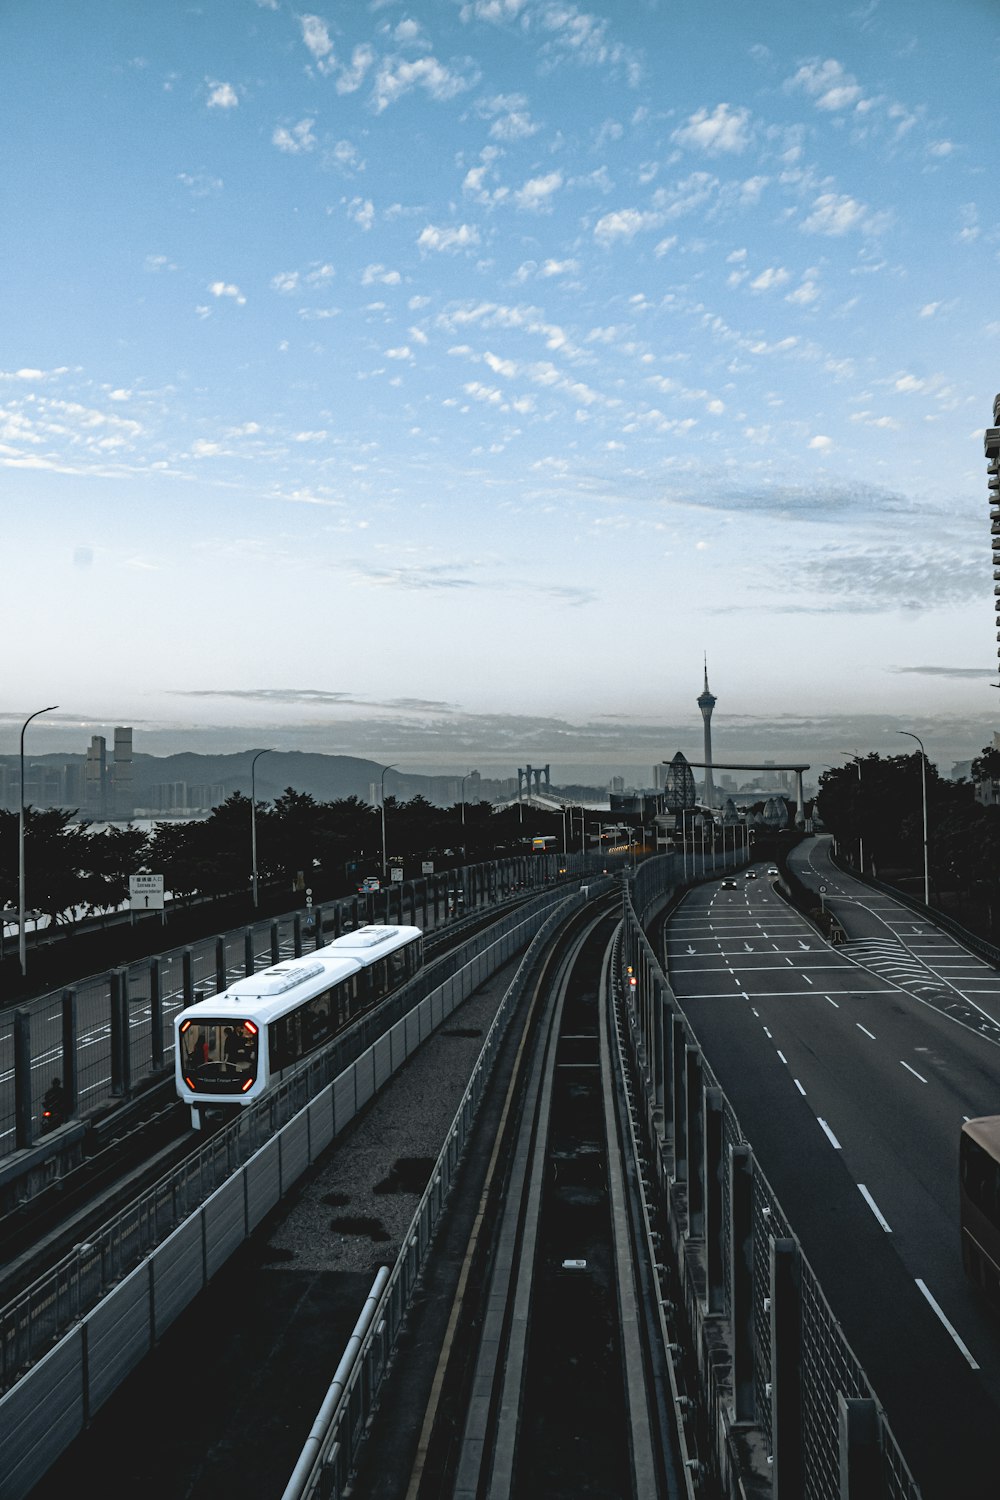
(784, 1059)
(944, 1320)
(832, 1002)
(799, 1087)
(913, 1071)
(866, 1031)
(807, 979)
(866, 1195)
(829, 1134)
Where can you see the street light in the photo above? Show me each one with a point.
(923, 793)
(20, 847)
(382, 800)
(861, 841)
(253, 823)
(464, 780)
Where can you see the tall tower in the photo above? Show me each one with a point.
(706, 703)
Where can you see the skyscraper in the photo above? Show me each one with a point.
(991, 445)
(706, 703)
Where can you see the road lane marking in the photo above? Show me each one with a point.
(866, 1195)
(832, 1001)
(866, 1031)
(799, 1087)
(784, 1059)
(829, 1134)
(807, 979)
(913, 1071)
(954, 1333)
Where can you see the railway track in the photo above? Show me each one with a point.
(547, 1382)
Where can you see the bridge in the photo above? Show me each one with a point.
(852, 1368)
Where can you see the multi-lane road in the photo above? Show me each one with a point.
(851, 1069)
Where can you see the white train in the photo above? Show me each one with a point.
(231, 1048)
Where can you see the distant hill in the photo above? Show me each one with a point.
(325, 777)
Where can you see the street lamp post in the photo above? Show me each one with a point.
(464, 780)
(21, 947)
(253, 824)
(861, 838)
(382, 800)
(923, 796)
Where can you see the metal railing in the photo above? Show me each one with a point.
(675, 1080)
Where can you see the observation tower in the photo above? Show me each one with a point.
(706, 703)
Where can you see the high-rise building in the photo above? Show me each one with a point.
(95, 785)
(122, 794)
(706, 703)
(991, 445)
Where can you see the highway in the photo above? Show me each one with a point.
(851, 1070)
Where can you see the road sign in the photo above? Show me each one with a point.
(427, 867)
(145, 892)
(396, 874)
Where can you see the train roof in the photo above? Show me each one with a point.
(290, 980)
(368, 943)
(985, 1131)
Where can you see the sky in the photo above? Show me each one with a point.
(450, 380)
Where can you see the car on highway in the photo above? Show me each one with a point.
(772, 870)
(751, 874)
(729, 885)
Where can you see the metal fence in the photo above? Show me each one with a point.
(793, 1374)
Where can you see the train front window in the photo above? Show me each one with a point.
(219, 1057)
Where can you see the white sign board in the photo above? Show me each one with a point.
(396, 874)
(427, 867)
(145, 892)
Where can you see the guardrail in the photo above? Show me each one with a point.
(70, 1340)
(780, 1378)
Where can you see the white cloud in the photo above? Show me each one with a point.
(460, 238)
(396, 78)
(285, 282)
(835, 214)
(724, 130)
(317, 39)
(377, 273)
(362, 211)
(929, 309)
(820, 443)
(772, 277)
(804, 294)
(827, 84)
(625, 224)
(350, 78)
(299, 138)
(227, 289)
(537, 191)
(403, 351)
(559, 267)
(222, 96)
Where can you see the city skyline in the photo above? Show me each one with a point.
(446, 381)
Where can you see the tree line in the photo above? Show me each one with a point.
(876, 805)
(73, 870)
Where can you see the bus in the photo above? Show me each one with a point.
(979, 1203)
(541, 842)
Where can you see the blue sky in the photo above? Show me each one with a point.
(440, 378)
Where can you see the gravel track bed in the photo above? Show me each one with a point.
(339, 1220)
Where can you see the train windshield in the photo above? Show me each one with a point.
(219, 1057)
